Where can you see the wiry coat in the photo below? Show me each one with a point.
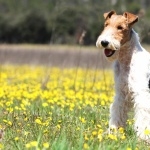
(132, 75)
(132, 80)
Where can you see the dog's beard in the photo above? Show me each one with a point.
(111, 51)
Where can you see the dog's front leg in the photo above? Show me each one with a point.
(118, 112)
(142, 116)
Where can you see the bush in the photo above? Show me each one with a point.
(32, 28)
(61, 22)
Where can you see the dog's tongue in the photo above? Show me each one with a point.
(109, 52)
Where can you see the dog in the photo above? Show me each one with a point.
(131, 72)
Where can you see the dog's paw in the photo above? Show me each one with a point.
(112, 129)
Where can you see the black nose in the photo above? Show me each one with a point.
(104, 43)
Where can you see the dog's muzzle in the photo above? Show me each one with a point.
(107, 51)
(105, 44)
(111, 50)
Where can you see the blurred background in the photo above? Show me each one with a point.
(63, 21)
(57, 22)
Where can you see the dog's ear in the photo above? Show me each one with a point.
(109, 14)
(131, 18)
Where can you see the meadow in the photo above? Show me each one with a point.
(59, 109)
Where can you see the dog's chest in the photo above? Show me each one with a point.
(126, 85)
(122, 80)
(133, 78)
(139, 73)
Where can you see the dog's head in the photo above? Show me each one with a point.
(117, 31)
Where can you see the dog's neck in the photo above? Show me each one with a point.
(130, 48)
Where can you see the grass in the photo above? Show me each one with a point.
(36, 47)
(50, 108)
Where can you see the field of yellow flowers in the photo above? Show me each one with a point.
(59, 109)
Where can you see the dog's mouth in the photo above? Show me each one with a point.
(109, 52)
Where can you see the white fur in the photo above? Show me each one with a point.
(108, 35)
(132, 75)
(113, 43)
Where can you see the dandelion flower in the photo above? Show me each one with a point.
(100, 137)
(16, 138)
(85, 146)
(34, 143)
(45, 104)
(38, 121)
(94, 133)
(147, 131)
(46, 145)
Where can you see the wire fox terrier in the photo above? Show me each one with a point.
(132, 72)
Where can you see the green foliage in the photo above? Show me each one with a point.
(70, 113)
(34, 29)
(61, 21)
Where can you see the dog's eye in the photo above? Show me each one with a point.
(119, 27)
(106, 24)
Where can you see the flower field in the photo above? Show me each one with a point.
(60, 109)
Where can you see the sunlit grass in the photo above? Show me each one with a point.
(52, 108)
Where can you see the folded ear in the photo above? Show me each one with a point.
(109, 14)
(131, 18)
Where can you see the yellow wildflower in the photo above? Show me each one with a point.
(121, 130)
(86, 146)
(46, 145)
(45, 104)
(128, 148)
(77, 129)
(147, 131)
(86, 138)
(58, 126)
(99, 126)
(94, 133)
(123, 137)
(34, 143)
(16, 138)
(103, 103)
(28, 145)
(100, 137)
(112, 137)
(82, 120)
(1, 146)
(26, 133)
(7, 121)
(38, 121)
